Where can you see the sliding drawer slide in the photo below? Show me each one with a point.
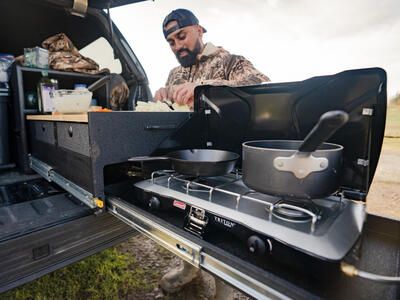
(51, 175)
(188, 250)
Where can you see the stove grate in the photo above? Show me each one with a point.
(281, 210)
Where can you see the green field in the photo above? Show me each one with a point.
(393, 121)
(386, 183)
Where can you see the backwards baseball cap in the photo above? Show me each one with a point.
(183, 18)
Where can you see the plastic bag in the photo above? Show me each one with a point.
(36, 58)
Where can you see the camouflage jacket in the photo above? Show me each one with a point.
(216, 66)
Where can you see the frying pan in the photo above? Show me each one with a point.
(197, 162)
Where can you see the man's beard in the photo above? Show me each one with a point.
(190, 58)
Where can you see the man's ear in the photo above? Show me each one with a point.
(199, 30)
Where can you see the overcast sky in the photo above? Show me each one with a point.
(287, 40)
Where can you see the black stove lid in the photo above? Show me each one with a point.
(289, 111)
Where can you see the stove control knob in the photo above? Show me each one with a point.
(154, 203)
(257, 246)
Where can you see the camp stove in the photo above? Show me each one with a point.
(325, 228)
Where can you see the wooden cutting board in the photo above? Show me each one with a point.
(80, 118)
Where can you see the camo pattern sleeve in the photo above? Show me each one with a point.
(218, 67)
(239, 71)
(177, 76)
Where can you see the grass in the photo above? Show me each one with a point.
(391, 144)
(106, 275)
(393, 121)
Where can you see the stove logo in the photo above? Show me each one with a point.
(179, 204)
(224, 222)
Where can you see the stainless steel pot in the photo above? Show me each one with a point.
(296, 169)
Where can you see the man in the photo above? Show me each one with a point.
(201, 63)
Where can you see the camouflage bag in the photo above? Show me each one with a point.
(64, 56)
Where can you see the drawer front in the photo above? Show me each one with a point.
(44, 132)
(74, 137)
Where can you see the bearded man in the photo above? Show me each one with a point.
(200, 63)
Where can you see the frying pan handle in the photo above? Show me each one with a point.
(327, 125)
(148, 158)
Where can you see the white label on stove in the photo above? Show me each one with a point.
(224, 222)
(179, 204)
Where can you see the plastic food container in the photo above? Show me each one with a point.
(71, 101)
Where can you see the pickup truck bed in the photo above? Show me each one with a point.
(42, 228)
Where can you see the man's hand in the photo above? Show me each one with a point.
(161, 94)
(183, 94)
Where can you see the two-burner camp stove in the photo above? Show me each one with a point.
(324, 228)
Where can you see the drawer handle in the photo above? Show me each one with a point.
(161, 127)
(70, 132)
(43, 128)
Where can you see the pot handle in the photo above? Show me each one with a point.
(327, 125)
(148, 158)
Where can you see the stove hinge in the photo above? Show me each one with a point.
(196, 221)
(354, 195)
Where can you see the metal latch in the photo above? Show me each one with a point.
(196, 221)
(79, 8)
(362, 162)
(367, 111)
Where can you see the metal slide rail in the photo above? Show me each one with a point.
(189, 251)
(50, 175)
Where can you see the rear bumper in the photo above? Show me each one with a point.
(33, 255)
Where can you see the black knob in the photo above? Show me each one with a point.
(70, 132)
(154, 203)
(257, 246)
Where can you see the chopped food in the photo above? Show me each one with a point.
(183, 107)
(161, 106)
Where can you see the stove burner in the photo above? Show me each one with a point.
(193, 187)
(295, 211)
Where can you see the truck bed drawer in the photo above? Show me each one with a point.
(74, 137)
(44, 132)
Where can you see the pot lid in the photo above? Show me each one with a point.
(289, 110)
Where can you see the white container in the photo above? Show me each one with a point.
(71, 101)
(3, 76)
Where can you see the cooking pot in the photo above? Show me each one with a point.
(296, 169)
(197, 162)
